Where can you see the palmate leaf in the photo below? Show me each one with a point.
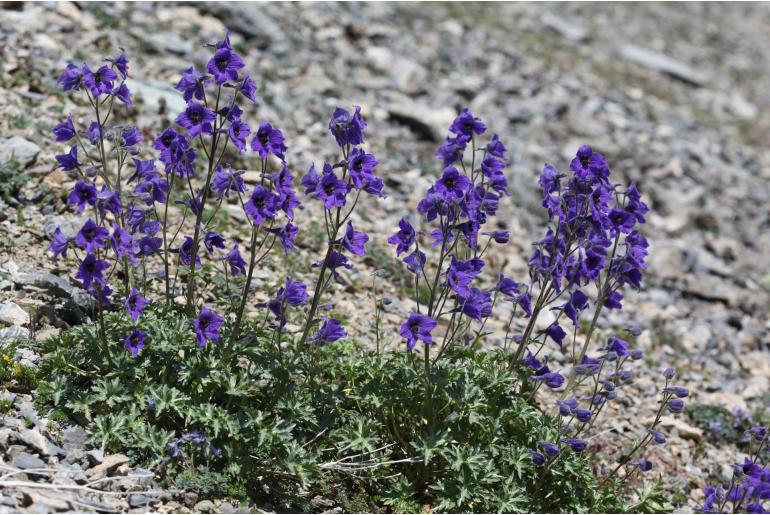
(168, 398)
(112, 392)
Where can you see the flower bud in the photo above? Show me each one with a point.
(669, 373)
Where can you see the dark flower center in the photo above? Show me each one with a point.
(167, 140)
(414, 327)
(89, 234)
(450, 183)
(585, 160)
(329, 188)
(204, 323)
(195, 116)
(222, 63)
(264, 138)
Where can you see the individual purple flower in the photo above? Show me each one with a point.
(122, 243)
(347, 129)
(331, 190)
(336, 260)
(69, 161)
(415, 261)
(249, 89)
(153, 188)
(355, 241)
(196, 119)
(59, 244)
(675, 405)
(495, 147)
(71, 78)
(135, 341)
(292, 293)
(123, 94)
(500, 236)
(583, 415)
(361, 167)
(207, 326)
(452, 150)
(617, 345)
(404, 238)
(589, 165)
(91, 236)
(568, 407)
(213, 239)
(331, 330)
(417, 327)
(238, 133)
(287, 234)
(185, 251)
(452, 185)
(135, 304)
(613, 300)
(120, 62)
(621, 221)
(92, 133)
(556, 333)
(268, 140)
(224, 65)
(65, 131)
(551, 450)
(460, 274)
(225, 180)
(262, 205)
(236, 262)
(476, 305)
(465, 125)
(193, 84)
(552, 380)
(130, 137)
(506, 286)
(576, 444)
(311, 180)
(643, 465)
(91, 271)
(100, 81)
(148, 245)
(538, 459)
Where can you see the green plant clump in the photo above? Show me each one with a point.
(340, 419)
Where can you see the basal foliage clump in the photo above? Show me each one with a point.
(284, 406)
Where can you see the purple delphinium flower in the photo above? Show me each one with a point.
(465, 125)
(576, 444)
(452, 185)
(415, 261)
(500, 236)
(236, 262)
(292, 293)
(91, 270)
(262, 205)
(71, 78)
(224, 65)
(65, 131)
(331, 190)
(135, 304)
(538, 459)
(207, 327)
(249, 89)
(69, 161)
(404, 238)
(123, 94)
(347, 129)
(556, 333)
(91, 236)
(238, 133)
(268, 140)
(331, 330)
(461, 274)
(130, 137)
(196, 119)
(287, 234)
(193, 84)
(361, 167)
(59, 244)
(476, 305)
(225, 180)
(100, 81)
(675, 405)
(213, 239)
(185, 251)
(550, 449)
(355, 241)
(135, 341)
(417, 327)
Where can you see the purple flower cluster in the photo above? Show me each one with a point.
(339, 187)
(459, 203)
(197, 439)
(749, 489)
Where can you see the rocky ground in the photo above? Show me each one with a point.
(675, 95)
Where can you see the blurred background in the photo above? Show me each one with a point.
(676, 96)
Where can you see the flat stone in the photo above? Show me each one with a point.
(205, 507)
(13, 314)
(73, 437)
(138, 500)
(75, 455)
(26, 461)
(569, 29)
(663, 63)
(95, 457)
(23, 151)
(154, 93)
(14, 333)
(109, 465)
(34, 439)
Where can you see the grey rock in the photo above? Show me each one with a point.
(42, 445)
(14, 333)
(205, 507)
(426, 123)
(95, 457)
(26, 461)
(13, 314)
(108, 466)
(75, 455)
(138, 500)
(23, 151)
(156, 93)
(663, 63)
(73, 437)
(226, 507)
(571, 30)
(69, 225)
(255, 24)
